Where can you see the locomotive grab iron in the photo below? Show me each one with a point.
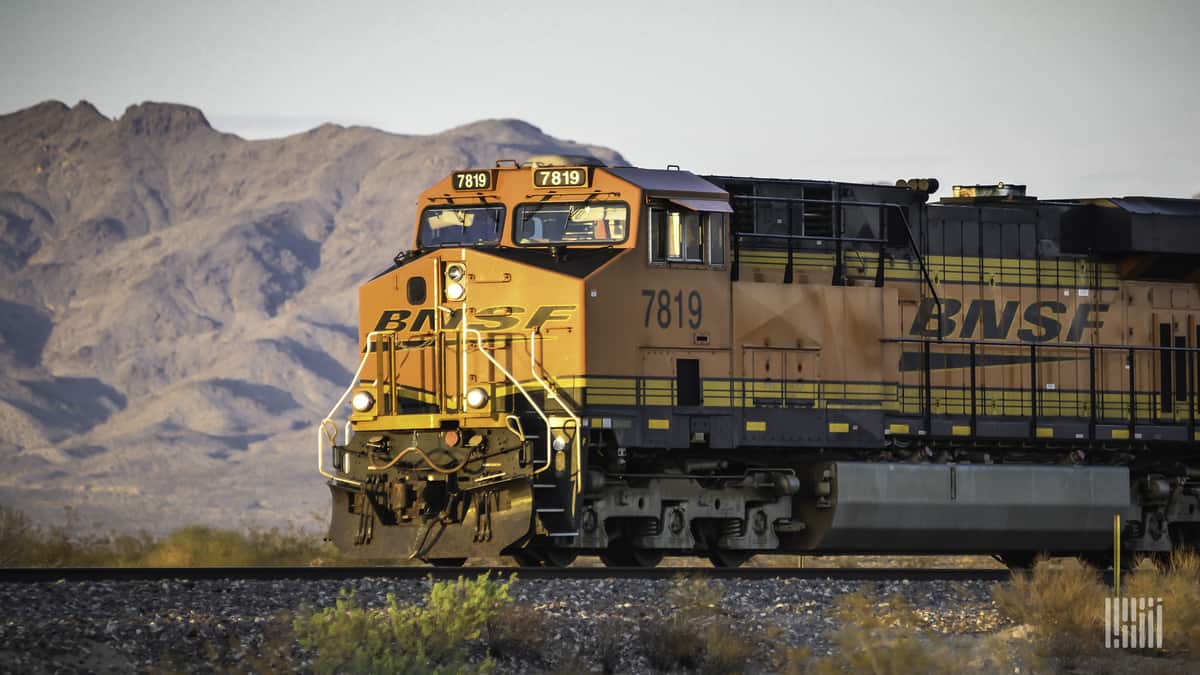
(582, 359)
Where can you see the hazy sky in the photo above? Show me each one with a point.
(1072, 98)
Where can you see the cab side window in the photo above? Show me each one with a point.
(683, 236)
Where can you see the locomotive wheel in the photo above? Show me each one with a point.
(627, 556)
(722, 557)
(447, 562)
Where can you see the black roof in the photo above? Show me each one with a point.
(669, 181)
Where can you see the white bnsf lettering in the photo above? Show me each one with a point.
(1040, 321)
(486, 319)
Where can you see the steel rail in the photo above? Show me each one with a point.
(96, 574)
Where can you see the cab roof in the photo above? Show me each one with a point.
(668, 181)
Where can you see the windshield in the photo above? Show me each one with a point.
(454, 225)
(577, 223)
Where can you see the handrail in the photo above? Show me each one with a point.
(328, 420)
(521, 388)
(1186, 394)
(575, 437)
(809, 237)
(814, 200)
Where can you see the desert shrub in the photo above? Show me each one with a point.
(887, 653)
(290, 546)
(866, 610)
(17, 537)
(69, 544)
(199, 545)
(72, 544)
(611, 636)
(793, 660)
(696, 635)
(726, 649)
(672, 643)
(519, 633)
(436, 637)
(1178, 584)
(695, 597)
(1063, 604)
(877, 635)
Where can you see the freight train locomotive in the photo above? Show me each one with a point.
(583, 359)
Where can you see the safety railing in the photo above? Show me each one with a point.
(327, 429)
(1157, 385)
(512, 379)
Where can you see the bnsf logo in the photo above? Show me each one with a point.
(485, 319)
(985, 321)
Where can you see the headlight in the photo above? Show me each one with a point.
(362, 401)
(456, 272)
(455, 290)
(477, 398)
(559, 443)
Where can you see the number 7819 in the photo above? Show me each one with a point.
(668, 310)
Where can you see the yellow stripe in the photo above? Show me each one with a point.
(658, 424)
(960, 430)
(839, 427)
(1045, 432)
(755, 425)
(1120, 433)
(898, 428)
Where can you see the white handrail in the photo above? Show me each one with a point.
(321, 428)
(524, 392)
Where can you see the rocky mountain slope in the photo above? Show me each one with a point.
(177, 303)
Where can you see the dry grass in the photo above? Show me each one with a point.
(672, 644)
(697, 635)
(520, 633)
(1062, 603)
(866, 610)
(883, 636)
(1177, 582)
(695, 597)
(611, 634)
(25, 544)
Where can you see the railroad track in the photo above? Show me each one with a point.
(54, 574)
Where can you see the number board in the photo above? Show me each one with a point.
(472, 180)
(562, 176)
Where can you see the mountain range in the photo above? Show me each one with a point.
(177, 304)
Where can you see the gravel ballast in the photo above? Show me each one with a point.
(212, 625)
